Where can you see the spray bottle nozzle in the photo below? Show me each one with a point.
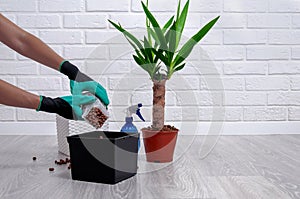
(135, 109)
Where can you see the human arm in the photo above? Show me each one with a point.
(33, 48)
(68, 106)
(27, 44)
(14, 96)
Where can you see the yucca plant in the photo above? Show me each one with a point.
(158, 54)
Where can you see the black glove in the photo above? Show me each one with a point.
(80, 82)
(67, 106)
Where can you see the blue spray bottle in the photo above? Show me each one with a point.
(128, 126)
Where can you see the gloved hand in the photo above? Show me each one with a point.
(80, 82)
(67, 106)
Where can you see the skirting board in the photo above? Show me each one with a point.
(200, 128)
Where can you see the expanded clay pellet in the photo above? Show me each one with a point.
(61, 161)
(96, 118)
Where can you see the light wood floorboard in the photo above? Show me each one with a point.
(238, 167)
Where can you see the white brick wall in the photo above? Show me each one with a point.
(296, 21)
(60, 6)
(158, 6)
(18, 68)
(31, 115)
(225, 52)
(255, 49)
(265, 113)
(39, 83)
(245, 68)
(295, 83)
(268, 21)
(61, 36)
(232, 83)
(268, 53)
(284, 98)
(294, 113)
(284, 68)
(85, 21)
(267, 83)
(230, 114)
(245, 37)
(39, 21)
(18, 6)
(7, 113)
(133, 21)
(116, 5)
(296, 53)
(6, 53)
(284, 37)
(284, 6)
(245, 6)
(245, 98)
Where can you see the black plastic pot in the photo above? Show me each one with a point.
(103, 157)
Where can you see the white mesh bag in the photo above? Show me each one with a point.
(67, 127)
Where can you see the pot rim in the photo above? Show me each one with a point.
(146, 130)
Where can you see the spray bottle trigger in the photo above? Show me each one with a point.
(140, 115)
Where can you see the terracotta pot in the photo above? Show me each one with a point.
(159, 145)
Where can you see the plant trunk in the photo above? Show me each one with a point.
(158, 109)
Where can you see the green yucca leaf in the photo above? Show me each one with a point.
(160, 44)
(149, 35)
(126, 33)
(138, 60)
(172, 43)
(187, 48)
(157, 69)
(138, 51)
(148, 50)
(159, 54)
(154, 36)
(171, 71)
(141, 62)
(148, 26)
(180, 22)
(168, 24)
(144, 65)
(179, 67)
(133, 41)
(167, 35)
(178, 10)
(156, 27)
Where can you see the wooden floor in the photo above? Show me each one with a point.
(238, 167)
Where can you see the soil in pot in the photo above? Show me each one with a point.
(160, 145)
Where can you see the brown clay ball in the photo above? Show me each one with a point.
(96, 118)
